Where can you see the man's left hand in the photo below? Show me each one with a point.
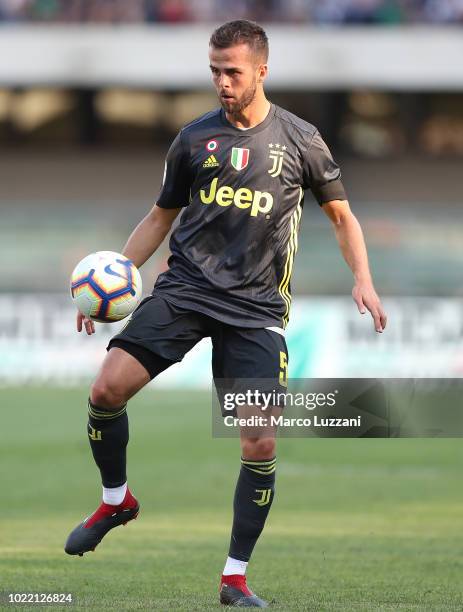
(366, 298)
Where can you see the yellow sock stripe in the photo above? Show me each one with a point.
(251, 462)
(104, 413)
(262, 473)
(260, 467)
(97, 414)
(108, 417)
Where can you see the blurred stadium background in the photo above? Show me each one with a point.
(91, 94)
(93, 91)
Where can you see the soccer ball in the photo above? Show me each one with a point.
(106, 286)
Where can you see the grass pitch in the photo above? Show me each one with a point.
(356, 525)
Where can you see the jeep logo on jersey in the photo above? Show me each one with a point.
(258, 201)
(239, 158)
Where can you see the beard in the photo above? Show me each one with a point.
(237, 106)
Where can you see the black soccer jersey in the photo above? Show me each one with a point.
(233, 251)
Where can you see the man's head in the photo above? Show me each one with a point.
(238, 54)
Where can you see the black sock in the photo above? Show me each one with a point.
(108, 433)
(253, 498)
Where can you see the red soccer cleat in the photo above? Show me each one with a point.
(234, 592)
(91, 531)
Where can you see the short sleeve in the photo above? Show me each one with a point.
(321, 174)
(175, 190)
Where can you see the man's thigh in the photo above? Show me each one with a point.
(249, 353)
(159, 334)
(245, 361)
(119, 378)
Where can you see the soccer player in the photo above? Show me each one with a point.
(239, 174)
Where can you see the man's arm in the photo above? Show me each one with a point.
(142, 243)
(352, 244)
(149, 234)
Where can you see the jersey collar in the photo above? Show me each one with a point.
(257, 128)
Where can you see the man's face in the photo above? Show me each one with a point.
(235, 74)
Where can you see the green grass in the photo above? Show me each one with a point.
(356, 524)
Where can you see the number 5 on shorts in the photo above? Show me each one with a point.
(283, 369)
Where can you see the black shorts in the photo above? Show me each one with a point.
(160, 333)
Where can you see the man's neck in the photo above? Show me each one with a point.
(252, 115)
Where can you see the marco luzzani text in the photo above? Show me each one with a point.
(265, 401)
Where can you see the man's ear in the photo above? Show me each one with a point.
(262, 73)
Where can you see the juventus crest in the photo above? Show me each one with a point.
(276, 155)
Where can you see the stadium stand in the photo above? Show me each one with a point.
(368, 12)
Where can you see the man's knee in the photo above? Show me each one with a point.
(256, 449)
(107, 395)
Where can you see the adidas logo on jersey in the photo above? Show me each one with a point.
(211, 162)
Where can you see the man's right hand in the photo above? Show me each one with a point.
(88, 324)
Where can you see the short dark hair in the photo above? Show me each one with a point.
(239, 32)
